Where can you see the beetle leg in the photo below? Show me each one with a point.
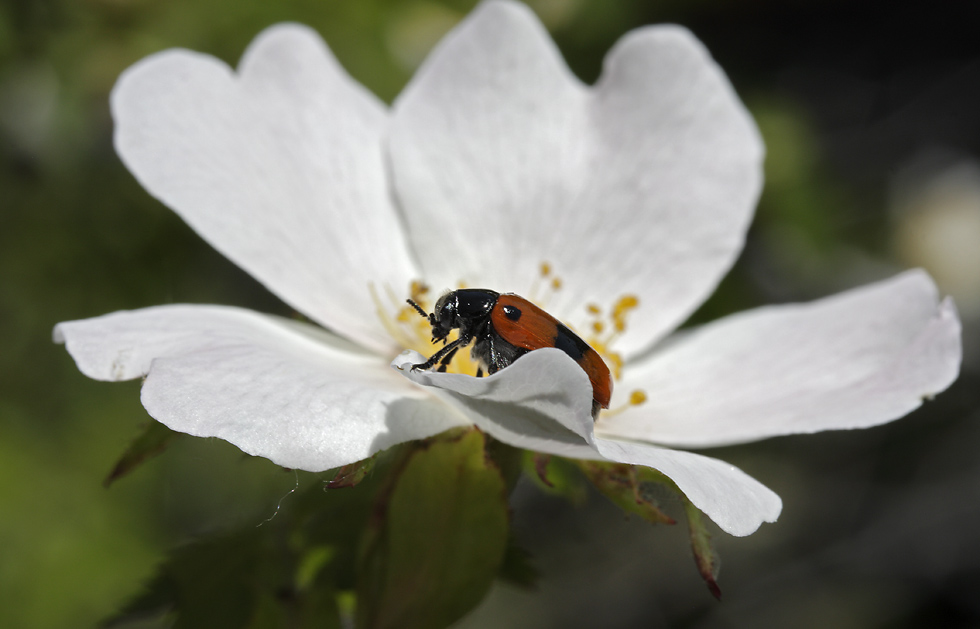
(446, 360)
(452, 347)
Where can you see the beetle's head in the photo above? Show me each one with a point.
(444, 317)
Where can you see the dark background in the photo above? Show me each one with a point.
(870, 115)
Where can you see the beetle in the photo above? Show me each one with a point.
(506, 326)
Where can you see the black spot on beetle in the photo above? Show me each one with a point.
(512, 313)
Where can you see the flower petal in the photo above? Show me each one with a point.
(736, 502)
(644, 184)
(854, 360)
(543, 402)
(279, 167)
(257, 382)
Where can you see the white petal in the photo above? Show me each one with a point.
(542, 402)
(255, 381)
(854, 360)
(734, 500)
(644, 184)
(279, 167)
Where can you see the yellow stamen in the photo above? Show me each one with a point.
(553, 285)
(615, 361)
(418, 290)
(412, 331)
(621, 309)
(615, 324)
(636, 398)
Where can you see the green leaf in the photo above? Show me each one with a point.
(204, 584)
(704, 554)
(152, 441)
(311, 564)
(437, 540)
(555, 475)
(245, 579)
(339, 519)
(622, 484)
(316, 609)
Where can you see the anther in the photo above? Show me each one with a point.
(636, 398)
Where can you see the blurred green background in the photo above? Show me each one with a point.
(871, 121)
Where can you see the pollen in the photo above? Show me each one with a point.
(551, 285)
(606, 329)
(412, 331)
(636, 398)
(625, 304)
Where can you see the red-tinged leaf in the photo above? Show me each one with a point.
(541, 467)
(704, 555)
(556, 475)
(152, 441)
(352, 474)
(622, 485)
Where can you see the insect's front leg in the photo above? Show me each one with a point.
(445, 354)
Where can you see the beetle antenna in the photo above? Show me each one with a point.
(418, 308)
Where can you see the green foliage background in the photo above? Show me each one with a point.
(879, 528)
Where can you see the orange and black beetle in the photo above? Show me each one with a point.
(505, 327)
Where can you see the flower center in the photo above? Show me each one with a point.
(414, 332)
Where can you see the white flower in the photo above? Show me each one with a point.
(493, 160)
